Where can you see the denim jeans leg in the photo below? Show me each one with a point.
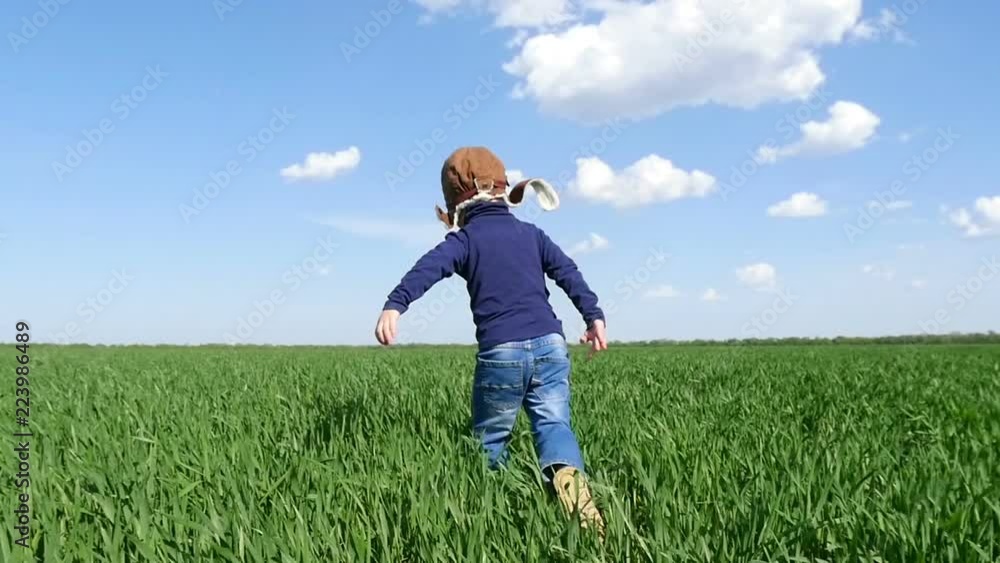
(497, 393)
(547, 402)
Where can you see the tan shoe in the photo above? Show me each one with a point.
(574, 493)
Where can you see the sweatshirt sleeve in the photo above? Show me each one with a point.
(437, 264)
(562, 270)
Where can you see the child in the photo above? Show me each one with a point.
(523, 357)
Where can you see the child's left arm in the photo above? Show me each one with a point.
(439, 263)
(563, 270)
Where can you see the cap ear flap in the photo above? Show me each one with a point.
(547, 195)
(443, 216)
(516, 195)
(548, 198)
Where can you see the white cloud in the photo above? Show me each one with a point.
(712, 295)
(918, 284)
(878, 271)
(650, 180)
(323, 165)
(514, 176)
(989, 208)
(915, 247)
(850, 127)
(801, 204)
(760, 276)
(591, 244)
(985, 221)
(408, 233)
(663, 292)
(596, 59)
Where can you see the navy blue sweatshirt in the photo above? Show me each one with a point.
(504, 262)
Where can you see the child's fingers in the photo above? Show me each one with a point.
(391, 330)
(382, 332)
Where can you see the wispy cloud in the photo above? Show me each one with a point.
(592, 243)
(983, 222)
(712, 295)
(886, 26)
(408, 233)
(896, 205)
(663, 292)
(879, 271)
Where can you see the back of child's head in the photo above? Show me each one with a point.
(475, 174)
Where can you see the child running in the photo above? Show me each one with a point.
(523, 357)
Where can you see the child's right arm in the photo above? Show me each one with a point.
(440, 262)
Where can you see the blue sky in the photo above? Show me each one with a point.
(119, 235)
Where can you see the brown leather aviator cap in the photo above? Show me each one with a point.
(467, 166)
(475, 172)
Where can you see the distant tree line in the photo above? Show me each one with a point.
(990, 337)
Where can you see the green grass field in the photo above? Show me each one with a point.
(770, 453)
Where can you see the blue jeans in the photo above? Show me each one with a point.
(533, 373)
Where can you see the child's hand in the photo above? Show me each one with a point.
(385, 330)
(597, 337)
